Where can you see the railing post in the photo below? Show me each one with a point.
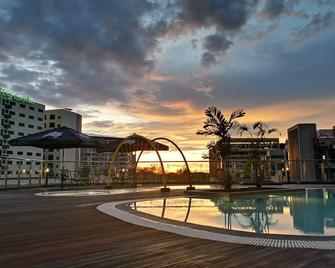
(19, 175)
(6, 174)
(30, 170)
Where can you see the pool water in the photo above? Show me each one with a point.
(309, 212)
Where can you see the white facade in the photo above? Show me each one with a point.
(58, 118)
(19, 117)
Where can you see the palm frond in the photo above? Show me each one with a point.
(257, 124)
(274, 130)
(244, 128)
(237, 114)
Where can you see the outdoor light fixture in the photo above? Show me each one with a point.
(47, 170)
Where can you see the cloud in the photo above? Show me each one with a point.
(227, 15)
(317, 24)
(204, 87)
(215, 46)
(208, 59)
(325, 2)
(217, 43)
(275, 8)
(194, 43)
(103, 49)
(100, 124)
(16, 73)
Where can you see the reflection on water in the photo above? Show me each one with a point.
(310, 212)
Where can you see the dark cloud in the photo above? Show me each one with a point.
(215, 46)
(275, 8)
(94, 46)
(208, 59)
(217, 43)
(228, 15)
(18, 74)
(317, 24)
(3, 57)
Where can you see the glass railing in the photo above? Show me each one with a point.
(20, 172)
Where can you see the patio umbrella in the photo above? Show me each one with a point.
(58, 138)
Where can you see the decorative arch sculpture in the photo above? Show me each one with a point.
(190, 187)
(145, 140)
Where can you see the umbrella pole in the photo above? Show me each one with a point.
(62, 176)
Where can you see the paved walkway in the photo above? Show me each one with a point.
(40, 231)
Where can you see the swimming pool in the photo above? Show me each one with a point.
(306, 213)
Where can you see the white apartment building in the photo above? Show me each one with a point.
(58, 118)
(20, 116)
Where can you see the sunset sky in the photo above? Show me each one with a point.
(152, 67)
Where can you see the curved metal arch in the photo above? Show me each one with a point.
(151, 143)
(180, 151)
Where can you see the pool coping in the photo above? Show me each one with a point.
(122, 211)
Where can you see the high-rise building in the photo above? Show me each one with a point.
(58, 118)
(20, 116)
(311, 153)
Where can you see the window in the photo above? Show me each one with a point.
(30, 126)
(29, 153)
(21, 134)
(52, 116)
(40, 110)
(9, 152)
(58, 117)
(11, 132)
(12, 113)
(31, 117)
(19, 153)
(22, 105)
(50, 157)
(39, 128)
(51, 150)
(40, 119)
(22, 115)
(38, 154)
(11, 122)
(32, 108)
(52, 125)
(21, 124)
(12, 103)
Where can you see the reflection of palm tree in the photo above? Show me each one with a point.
(226, 208)
(260, 220)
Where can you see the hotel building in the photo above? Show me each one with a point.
(19, 117)
(243, 148)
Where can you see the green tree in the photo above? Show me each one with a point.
(218, 125)
(256, 160)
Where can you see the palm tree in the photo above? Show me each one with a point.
(260, 130)
(219, 126)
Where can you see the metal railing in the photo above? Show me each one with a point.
(20, 172)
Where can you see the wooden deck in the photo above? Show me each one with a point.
(69, 232)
